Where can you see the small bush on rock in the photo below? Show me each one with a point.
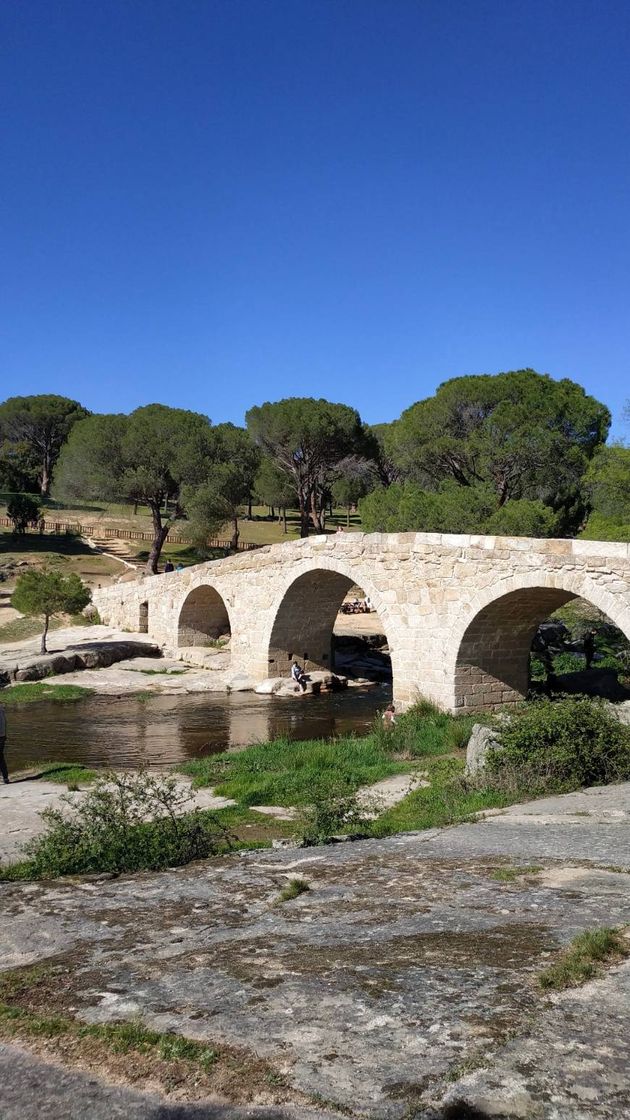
(332, 812)
(572, 742)
(127, 822)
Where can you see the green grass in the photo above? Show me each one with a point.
(584, 958)
(248, 831)
(162, 672)
(285, 773)
(67, 773)
(35, 1005)
(293, 889)
(63, 553)
(120, 1038)
(20, 629)
(446, 801)
(33, 691)
(510, 874)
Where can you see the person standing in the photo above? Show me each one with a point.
(589, 647)
(389, 717)
(3, 740)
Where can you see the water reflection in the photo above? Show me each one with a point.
(105, 731)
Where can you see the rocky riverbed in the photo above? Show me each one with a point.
(113, 662)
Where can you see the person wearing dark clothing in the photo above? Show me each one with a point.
(3, 740)
(169, 567)
(299, 676)
(589, 648)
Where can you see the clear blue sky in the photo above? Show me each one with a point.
(212, 204)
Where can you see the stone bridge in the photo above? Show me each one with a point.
(459, 612)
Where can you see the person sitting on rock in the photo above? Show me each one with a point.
(169, 566)
(299, 676)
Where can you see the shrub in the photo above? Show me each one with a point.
(568, 663)
(125, 823)
(333, 811)
(575, 741)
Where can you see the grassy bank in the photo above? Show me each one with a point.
(143, 821)
(33, 691)
(288, 773)
(446, 801)
(61, 773)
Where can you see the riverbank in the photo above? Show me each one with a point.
(111, 662)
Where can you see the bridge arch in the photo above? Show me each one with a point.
(304, 614)
(203, 617)
(489, 664)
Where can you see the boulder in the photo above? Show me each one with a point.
(92, 655)
(482, 739)
(328, 682)
(270, 686)
(240, 683)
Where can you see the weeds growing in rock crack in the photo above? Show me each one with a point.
(293, 889)
(584, 958)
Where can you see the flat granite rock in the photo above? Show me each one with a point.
(403, 983)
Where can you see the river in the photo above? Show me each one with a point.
(101, 731)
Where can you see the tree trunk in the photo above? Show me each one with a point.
(249, 506)
(160, 533)
(284, 519)
(347, 517)
(42, 648)
(317, 515)
(235, 534)
(304, 520)
(44, 485)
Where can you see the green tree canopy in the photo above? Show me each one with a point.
(356, 478)
(405, 507)
(272, 485)
(37, 428)
(388, 471)
(274, 488)
(223, 484)
(607, 484)
(46, 593)
(505, 432)
(307, 438)
(22, 509)
(145, 457)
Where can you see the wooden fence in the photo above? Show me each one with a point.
(62, 528)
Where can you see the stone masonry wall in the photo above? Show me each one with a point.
(459, 611)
